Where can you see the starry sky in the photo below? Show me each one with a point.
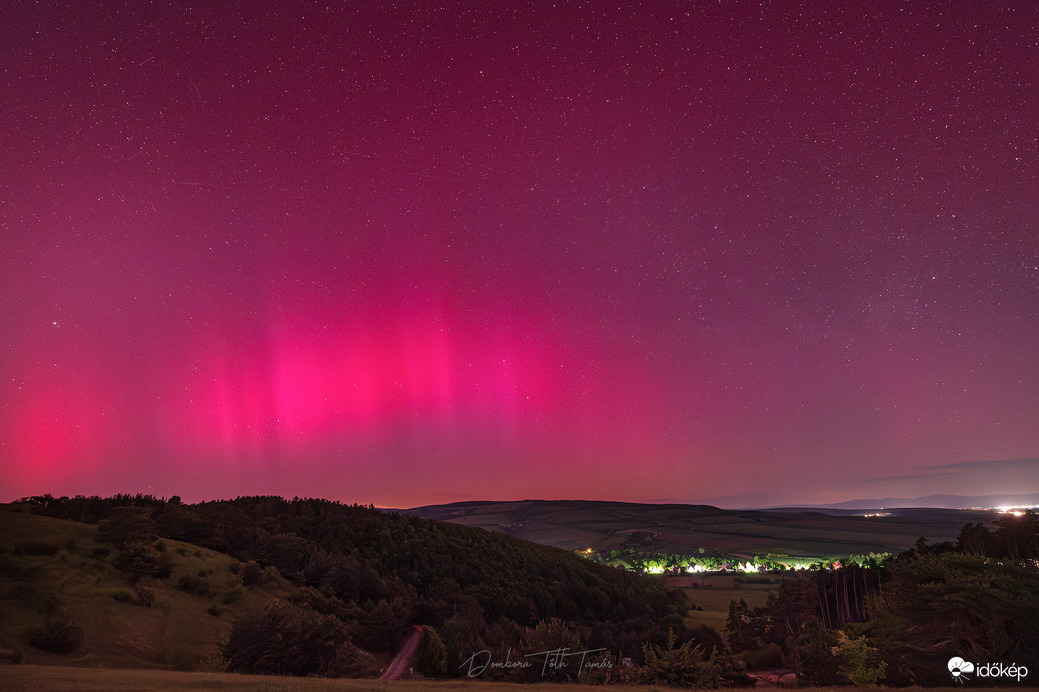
(409, 253)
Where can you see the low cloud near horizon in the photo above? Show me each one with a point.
(964, 467)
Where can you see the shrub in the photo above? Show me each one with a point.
(813, 657)
(770, 656)
(679, 666)
(10, 655)
(432, 654)
(59, 634)
(36, 548)
(234, 595)
(252, 573)
(862, 664)
(214, 610)
(123, 596)
(145, 595)
(196, 586)
(138, 560)
(100, 552)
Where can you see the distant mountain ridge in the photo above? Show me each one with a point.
(679, 528)
(929, 501)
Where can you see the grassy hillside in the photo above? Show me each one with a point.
(50, 565)
(352, 583)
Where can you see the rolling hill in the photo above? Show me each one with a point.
(606, 526)
(268, 585)
(56, 568)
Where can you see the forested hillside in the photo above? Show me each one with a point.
(312, 587)
(368, 576)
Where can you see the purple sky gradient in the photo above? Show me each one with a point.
(416, 253)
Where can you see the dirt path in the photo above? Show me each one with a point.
(400, 663)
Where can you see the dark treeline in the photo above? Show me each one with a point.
(367, 577)
(900, 622)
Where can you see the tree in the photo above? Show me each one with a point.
(679, 666)
(283, 639)
(1018, 536)
(138, 560)
(812, 656)
(936, 607)
(127, 525)
(975, 539)
(548, 645)
(432, 654)
(861, 662)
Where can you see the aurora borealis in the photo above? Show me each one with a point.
(414, 253)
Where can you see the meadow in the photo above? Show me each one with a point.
(709, 595)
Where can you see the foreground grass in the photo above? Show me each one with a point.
(44, 678)
(41, 678)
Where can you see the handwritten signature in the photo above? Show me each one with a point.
(554, 659)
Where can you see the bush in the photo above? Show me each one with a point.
(861, 662)
(681, 666)
(234, 595)
(252, 573)
(122, 596)
(196, 586)
(36, 548)
(59, 634)
(551, 635)
(145, 596)
(432, 654)
(138, 560)
(214, 610)
(770, 656)
(10, 655)
(813, 655)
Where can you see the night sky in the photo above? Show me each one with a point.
(404, 254)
